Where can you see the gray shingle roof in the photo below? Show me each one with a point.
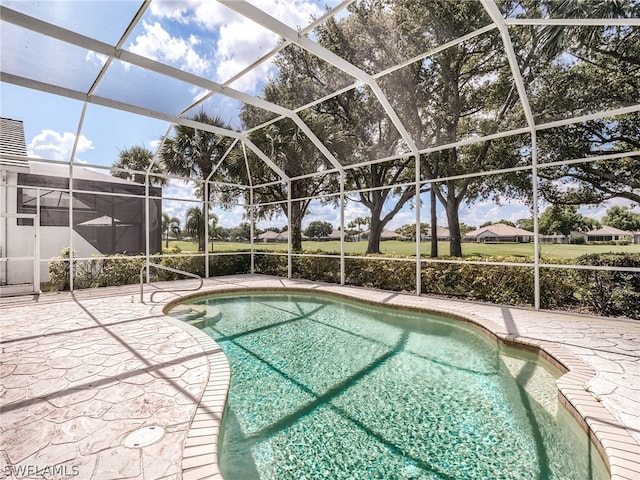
(12, 140)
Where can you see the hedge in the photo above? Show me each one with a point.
(599, 292)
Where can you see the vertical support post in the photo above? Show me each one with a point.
(71, 158)
(290, 240)
(36, 245)
(4, 235)
(205, 206)
(252, 230)
(71, 270)
(342, 262)
(147, 241)
(418, 231)
(536, 236)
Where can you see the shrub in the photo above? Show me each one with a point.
(600, 292)
(606, 292)
(504, 284)
(370, 272)
(271, 265)
(185, 263)
(321, 269)
(99, 271)
(229, 264)
(59, 271)
(557, 288)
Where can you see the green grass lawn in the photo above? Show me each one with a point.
(393, 247)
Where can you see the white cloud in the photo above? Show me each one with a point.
(402, 218)
(198, 93)
(238, 41)
(156, 43)
(277, 221)
(96, 59)
(230, 218)
(53, 145)
(173, 10)
(179, 189)
(487, 211)
(599, 211)
(322, 213)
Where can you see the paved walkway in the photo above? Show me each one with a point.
(80, 372)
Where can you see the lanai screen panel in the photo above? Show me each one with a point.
(497, 101)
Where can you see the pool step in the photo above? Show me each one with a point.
(189, 313)
(199, 316)
(211, 316)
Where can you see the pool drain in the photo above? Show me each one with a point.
(144, 436)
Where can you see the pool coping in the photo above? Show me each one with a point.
(618, 449)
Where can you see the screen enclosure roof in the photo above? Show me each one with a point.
(169, 60)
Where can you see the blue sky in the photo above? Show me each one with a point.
(202, 37)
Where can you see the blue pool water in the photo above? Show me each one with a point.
(324, 388)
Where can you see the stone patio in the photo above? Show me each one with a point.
(81, 371)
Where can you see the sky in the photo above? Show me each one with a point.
(198, 36)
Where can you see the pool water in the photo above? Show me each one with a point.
(325, 388)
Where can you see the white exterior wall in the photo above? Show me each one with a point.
(19, 240)
(53, 240)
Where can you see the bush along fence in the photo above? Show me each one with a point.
(613, 293)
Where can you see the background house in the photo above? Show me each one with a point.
(442, 234)
(38, 203)
(609, 234)
(271, 236)
(334, 235)
(499, 232)
(386, 235)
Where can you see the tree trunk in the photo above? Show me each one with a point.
(202, 241)
(375, 225)
(296, 226)
(434, 223)
(373, 245)
(455, 241)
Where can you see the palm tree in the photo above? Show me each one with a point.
(359, 223)
(170, 225)
(214, 228)
(194, 226)
(138, 158)
(556, 38)
(288, 147)
(192, 153)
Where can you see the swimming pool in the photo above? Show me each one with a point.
(328, 388)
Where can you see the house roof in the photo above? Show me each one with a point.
(12, 140)
(12, 146)
(79, 173)
(335, 234)
(440, 231)
(390, 234)
(270, 235)
(499, 230)
(607, 230)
